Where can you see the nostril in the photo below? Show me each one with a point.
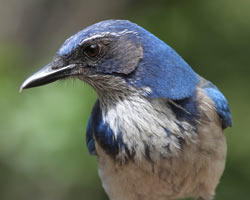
(58, 63)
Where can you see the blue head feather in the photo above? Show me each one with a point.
(100, 28)
(159, 68)
(163, 70)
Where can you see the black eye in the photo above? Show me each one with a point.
(92, 50)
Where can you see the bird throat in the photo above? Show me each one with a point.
(144, 128)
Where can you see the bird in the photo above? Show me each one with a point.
(157, 127)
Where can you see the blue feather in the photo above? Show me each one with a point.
(103, 133)
(106, 26)
(186, 109)
(221, 104)
(89, 137)
(161, 69)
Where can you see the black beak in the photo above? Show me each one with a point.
(48, 74)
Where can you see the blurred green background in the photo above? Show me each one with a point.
(42, 145)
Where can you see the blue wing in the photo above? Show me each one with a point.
(221, 104)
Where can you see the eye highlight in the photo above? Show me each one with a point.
(92, 51)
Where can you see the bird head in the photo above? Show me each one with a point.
(115, 55)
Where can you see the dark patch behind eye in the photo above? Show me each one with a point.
(123, 57)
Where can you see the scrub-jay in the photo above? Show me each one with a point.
(157, 127)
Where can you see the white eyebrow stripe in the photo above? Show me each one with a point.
(103, 34)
